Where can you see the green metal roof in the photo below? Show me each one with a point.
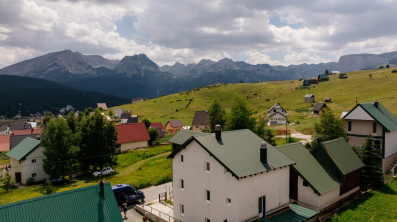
(239, 152)
(23, 148)
(318, 178)
(306, 82)
(323, 76)
(293, 213)
(81, 204)
(342, 155)
(380, 114)
(183, 135)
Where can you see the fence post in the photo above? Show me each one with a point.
(159, 197)
(166, 196)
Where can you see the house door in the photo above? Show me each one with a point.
(18, 177)
(262, 206)
(293, 184)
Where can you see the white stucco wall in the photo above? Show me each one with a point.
(359, 114)
(133, 145)
(30, 168)
(244, 193)
(274, 185)
(16, 167)
(277, 116)
(123, 120)
(390, 143)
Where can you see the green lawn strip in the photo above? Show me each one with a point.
(282, 141)
(122, 175)
(377, 205)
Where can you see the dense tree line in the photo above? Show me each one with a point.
(38, 95)
(78, 143)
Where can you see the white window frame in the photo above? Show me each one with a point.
(207, 196)
(181, 184)
(228, 202)
(33, 160)
(182, 209)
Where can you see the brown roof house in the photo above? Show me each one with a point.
(200, 121)
(102, 105)
(173, 126)
(313, 82)
(320, 108)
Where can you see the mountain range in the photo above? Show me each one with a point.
(138, 76)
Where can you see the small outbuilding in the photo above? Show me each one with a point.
(320, 108)
(343, 76)
(306, 82)
(313, 82)
(323, 78)
(327, 99)
(309, 98)
(173, 126)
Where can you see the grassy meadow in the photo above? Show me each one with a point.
(140, 168)
(261, 96)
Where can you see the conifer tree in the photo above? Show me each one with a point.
(370, 157)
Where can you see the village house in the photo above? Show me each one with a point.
(343, 76)
(320, 108)
(132, 120)
(102, 105)
(27, 131)
(312, 184)
(157, 124)
(277, 115)
(4, 130)
(323, 78)
(229, 176)
(200, 121)
(17, 139)
(118, 112)
(90, 204)
(18, 126)
(373, 118)
(33, 125)
(313, 82)
(309, 98)
(132, 136)
(161, 132)
(124, 117)
(4, 143)
(327, 99)
(306, 82)
(137, 100)
(26, 160)
(173, 126)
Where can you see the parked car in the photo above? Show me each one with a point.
(133, 195)
(59, 181)
(104, 171)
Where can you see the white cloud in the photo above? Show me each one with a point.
(299, 58)
(255, 57)
(9, 56)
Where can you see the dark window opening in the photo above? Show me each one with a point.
(374, 126)
(349, 126)
(305, 184)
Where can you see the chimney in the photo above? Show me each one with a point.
(101, 189)
(376, 103)
(319, 140)
(218, 132)
(263, 154)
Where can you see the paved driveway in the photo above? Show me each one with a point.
(152, 193)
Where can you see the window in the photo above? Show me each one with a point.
(207, 220)
(33, 160)
(228, 201)
(207, 167)
(207, 196)
(182, 210)
(196, 127)
(181, 158)
(374, 126)
(182, 185)
(305, 184)
(206, 127)
(33, 175)
(226, 171)
(349, 126)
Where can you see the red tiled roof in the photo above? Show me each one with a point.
(132, 132)
(4, 143)
(27, 131)
(157, 124)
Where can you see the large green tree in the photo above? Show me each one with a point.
(153, 134)
(98, 146)
(216, 115)
(47, 117)
(147, 122)
(72, 122)
(370, 157)
(59, 148)
(330, 126)
(240, 116)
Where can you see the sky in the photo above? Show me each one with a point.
(275, 32)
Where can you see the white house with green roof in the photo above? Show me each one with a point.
(26, 160)
(373, 118)
(328, 175)
(227, 176)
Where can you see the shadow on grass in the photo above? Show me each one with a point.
(387, 190)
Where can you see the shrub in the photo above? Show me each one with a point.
(30, 181)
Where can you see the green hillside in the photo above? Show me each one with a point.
(382, 86)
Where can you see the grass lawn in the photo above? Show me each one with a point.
(261, 96)
(140, 168)
(4, 162)
(376, 205)
(282, 141)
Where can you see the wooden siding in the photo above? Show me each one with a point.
(350, 181)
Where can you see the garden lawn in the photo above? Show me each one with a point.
(282, 141)
(376, 205)
(140, 168)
